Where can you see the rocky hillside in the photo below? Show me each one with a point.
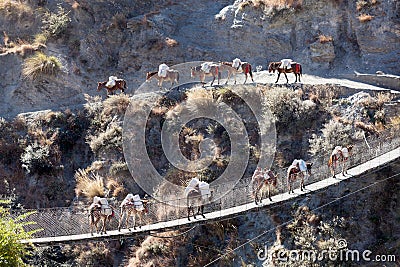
(92, 40)
(61, 140)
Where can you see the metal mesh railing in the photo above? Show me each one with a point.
(74, 220)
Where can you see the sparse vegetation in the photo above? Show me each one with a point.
(40, 65)
(56, 23)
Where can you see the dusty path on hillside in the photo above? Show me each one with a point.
(265, 77)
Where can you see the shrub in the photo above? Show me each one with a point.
(365, 18)
(289, 110)
(116, 105)
(118, 167)
(40, 65)
(36, 158)
(12, 251)
(111, 139)
(333, 134)
(56, 23)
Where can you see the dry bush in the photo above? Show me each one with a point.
(93, 254)
(115, 105)
(382, 98)
(334, 134)
(289, 109)
(40, 64)
(156, 251)
(116, 189)
(88, 184)
(171, 42)
(325, 39)
(365, 18)
(368, 128)
(110, 140)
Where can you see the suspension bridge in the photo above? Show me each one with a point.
(71, 224)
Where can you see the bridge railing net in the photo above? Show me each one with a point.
(74, 220)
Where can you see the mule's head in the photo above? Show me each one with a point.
(100, 85)
(148, 76)
(192, 72)
(271, 67)
(350, 149)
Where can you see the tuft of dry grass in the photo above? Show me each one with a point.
(365, 18)
(325, 38)
(88, 184)
(40, 64)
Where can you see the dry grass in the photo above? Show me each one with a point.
(365, 18)
(116, 105)
(88, 184)
(325, 39)
(40, 64)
